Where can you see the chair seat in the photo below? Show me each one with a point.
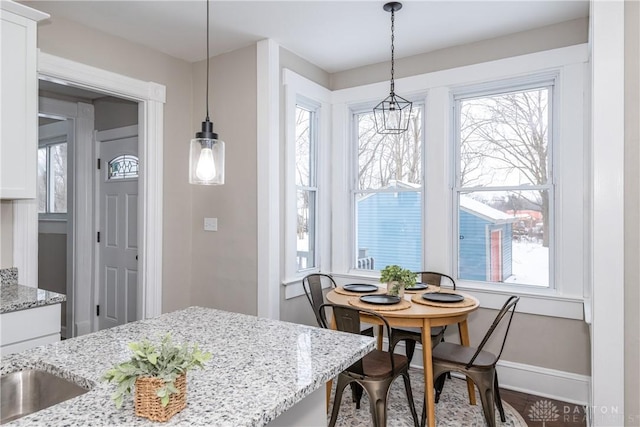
(459, 354)
(377, 365)
(416, 333)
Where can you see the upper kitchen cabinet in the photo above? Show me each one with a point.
(19, 95)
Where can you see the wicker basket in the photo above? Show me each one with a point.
(148, 403)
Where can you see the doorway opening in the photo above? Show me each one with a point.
(69, 119)
(150, 97)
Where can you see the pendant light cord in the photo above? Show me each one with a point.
(207, 101)
(392, 48)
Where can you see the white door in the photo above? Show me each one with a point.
(118, 231)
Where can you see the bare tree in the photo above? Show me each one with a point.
(505, 142)
(383, 158)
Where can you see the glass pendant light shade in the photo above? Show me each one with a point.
(392, 115)
(206, 151)
(206, 157)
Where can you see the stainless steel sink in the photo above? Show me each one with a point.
(25, 392)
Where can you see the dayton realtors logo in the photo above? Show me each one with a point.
(545, 411)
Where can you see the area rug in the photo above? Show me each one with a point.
(453, 409)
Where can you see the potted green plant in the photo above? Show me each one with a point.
(158, 374)
(397, 278)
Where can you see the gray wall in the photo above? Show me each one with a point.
(544, 38)
(113, 112)
(632, 213)
(52, 265)
(224, 264)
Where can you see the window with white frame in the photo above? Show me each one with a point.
(387, 194)
(52, 178)
(306, 226)
(504, 185)
(306, 186)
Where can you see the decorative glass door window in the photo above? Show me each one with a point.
(124, 166)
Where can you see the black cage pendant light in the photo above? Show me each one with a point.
(392, 114)
(206, 159)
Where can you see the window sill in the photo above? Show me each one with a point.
(293, 285)
(547, 304)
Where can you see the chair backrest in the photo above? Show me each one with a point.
(312, 285)
(347, 319)
(436, 279)
(508, 307)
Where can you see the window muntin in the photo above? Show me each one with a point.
(122, 167)
(52, 178)
(504, 188)
(387, 195)
(306, 187)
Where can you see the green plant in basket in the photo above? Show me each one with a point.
(395, 273)
(166, 362)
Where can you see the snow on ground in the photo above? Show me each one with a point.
(530, 264)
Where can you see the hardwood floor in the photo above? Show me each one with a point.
(539, 411)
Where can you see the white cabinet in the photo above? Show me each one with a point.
(19, 95)
(25, 329)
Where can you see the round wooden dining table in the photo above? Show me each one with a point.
(424, 317)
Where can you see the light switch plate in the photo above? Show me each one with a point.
(211, 224)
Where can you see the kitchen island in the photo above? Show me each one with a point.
(260, 370)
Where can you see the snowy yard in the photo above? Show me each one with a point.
(530, 264)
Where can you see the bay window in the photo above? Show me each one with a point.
(490, 185)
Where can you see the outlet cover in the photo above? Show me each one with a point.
(211, 224)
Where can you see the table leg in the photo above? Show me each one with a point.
(328, 386)
(380, 336)
(463, 329)
(428, 372)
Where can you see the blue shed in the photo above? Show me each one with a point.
(390, 228)
(485, 242)
(390, 232)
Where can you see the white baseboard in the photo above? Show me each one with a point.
(83, 328)
(535, 380)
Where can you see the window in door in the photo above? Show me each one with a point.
(121, 167)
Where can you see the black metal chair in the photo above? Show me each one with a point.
(412, 335)
(312, 285)
(375, 372)
(477, 363)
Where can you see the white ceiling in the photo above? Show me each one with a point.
(335, 36)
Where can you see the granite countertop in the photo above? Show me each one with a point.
(14, 297)
(259, 368)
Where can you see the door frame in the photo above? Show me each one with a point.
(151, 98)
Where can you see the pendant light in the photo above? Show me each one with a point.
(392, 114)
(206, 160)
